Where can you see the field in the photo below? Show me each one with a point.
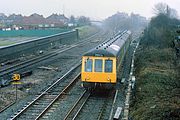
(31, 33)
(14, 36)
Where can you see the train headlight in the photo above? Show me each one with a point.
(87, 78)
(109, 79)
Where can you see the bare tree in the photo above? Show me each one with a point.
(82, 20)
(161, 8)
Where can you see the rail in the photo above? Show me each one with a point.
(84, 97)
(22, 65)
(43, 93)
(18, 66)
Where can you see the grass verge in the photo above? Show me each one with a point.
(85, 31)
(158, 85)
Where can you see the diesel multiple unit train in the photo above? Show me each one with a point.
(99, 65)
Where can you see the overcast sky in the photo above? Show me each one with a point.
(95, 9)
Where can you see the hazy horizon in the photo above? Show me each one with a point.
(97, 10)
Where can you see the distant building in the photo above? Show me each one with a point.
(34, 21)
(57, 20)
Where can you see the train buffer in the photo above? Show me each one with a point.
(117, 114)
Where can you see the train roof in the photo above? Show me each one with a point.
(110, 48)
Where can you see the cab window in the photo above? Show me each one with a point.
(88, 65)
(108, 65)
(98, 65)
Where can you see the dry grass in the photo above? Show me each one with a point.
(8, 95)
(158, 85)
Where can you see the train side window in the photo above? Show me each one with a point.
(98, 65)
(108, 65)
(88, 65)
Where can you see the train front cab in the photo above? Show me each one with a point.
(98, 71)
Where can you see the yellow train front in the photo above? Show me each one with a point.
(99, 65)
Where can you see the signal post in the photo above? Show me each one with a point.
(16, 80)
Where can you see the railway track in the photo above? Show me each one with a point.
(91, 106)
(25, 108)
(89, 39)
(36, 108)
(76, 108)
(16, 67)
(86, 106)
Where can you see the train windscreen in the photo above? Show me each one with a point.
(88, 65)
(98, 65)
(108, 65)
